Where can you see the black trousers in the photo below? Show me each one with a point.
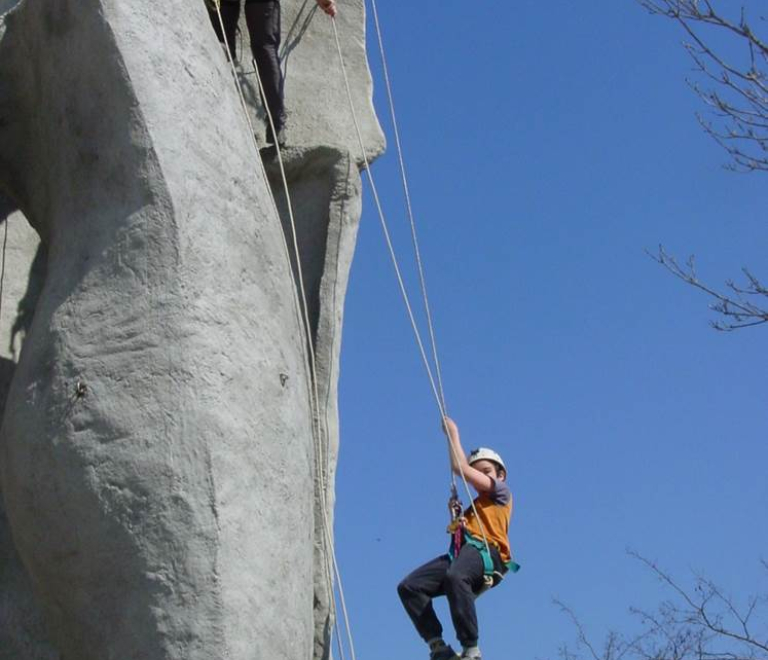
(458, 581)
(263, 20)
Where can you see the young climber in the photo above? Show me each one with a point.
(263, 20)
(462, 573)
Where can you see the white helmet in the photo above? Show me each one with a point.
(485, 454)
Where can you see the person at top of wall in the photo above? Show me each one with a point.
(478, 557)
(263, 20)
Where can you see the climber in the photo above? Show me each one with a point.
(471, 564)
(263, 20)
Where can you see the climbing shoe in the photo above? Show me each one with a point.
(471, 653)
(444, 652)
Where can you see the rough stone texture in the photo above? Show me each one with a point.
(166, 511)
(164, 507)
(23, 268)
(324, 184)
(22, 630)
(325, 190)
(315, 96)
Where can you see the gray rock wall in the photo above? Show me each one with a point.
(315, 94)
(22, 629)
(22, 267)
(322, 162)
(156, 455)
(144, 506)
(325, 189)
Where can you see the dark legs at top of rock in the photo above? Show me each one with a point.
(263, 20)
(230, 14)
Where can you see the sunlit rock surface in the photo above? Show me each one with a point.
(157, 460)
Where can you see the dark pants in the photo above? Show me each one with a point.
(458, 581)
(263, 20)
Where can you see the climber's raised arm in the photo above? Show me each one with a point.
(481, 475)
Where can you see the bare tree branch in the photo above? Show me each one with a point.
(582, 638)
(735, 91)
(699, 623)
(615, 647)
(736, 306)
(739, 93)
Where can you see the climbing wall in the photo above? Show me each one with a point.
(157, 460)
(22, 629)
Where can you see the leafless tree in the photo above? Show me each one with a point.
(731, 78)
(701, 622)
(740, 306)
(735, 87)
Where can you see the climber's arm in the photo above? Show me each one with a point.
(481, 481)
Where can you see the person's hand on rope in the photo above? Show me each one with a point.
(481, 481)
(450, 428)
(328, 6)
(455, 450)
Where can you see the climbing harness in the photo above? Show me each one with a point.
(456, 526)
(493, 570)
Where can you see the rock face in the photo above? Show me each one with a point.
(22, 270)
(157, 458)
(322, 164)
(324, 186)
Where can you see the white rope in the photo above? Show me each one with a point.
(300, 307)
(385, 228)
(409, 208)
(321, 458)
(299, 289)
(395, 263)
(411, 219)
(297, 256)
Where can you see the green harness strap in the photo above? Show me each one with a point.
(488, 568)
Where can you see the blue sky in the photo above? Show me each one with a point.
(549, 145)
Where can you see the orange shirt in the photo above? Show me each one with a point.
(494, 509)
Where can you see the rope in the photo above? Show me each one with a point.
(321, 457)
(409, 208)
(299, 288)
(395, 263)
(295, 241)
(385, 228)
